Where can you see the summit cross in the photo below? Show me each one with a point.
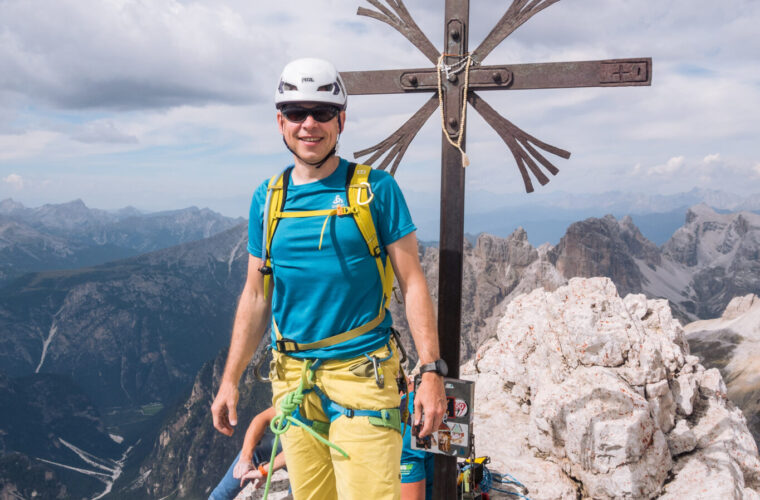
(454, 80)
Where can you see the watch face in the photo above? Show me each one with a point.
(442, 367)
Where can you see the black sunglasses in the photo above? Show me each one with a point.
(298, 114)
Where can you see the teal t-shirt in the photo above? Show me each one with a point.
(319, 293)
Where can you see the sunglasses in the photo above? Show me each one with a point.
(298, 114)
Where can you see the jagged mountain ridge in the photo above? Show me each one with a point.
(71, 235)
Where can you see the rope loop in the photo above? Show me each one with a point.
(463, 65)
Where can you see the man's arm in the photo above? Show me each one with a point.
(430, 396)
(251, 321)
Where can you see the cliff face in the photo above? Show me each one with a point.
(605, 247)
(731, 343)
(190, 457)
(722, 252)
(131, 332)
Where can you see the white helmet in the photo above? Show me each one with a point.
(310, 80)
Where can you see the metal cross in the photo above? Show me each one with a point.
(454, 75)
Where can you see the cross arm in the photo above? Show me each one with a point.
(602, 73)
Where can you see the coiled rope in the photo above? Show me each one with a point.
(464, 64)
(284, 419)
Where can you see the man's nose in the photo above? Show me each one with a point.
(309, 122)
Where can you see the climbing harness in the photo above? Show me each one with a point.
(463, 65)
(359, 194)
(284, 419)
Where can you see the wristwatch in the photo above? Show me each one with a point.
(438, 366)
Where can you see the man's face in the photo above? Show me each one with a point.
(310, 139)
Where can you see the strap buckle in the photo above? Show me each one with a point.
(340, 210)
(286, 345)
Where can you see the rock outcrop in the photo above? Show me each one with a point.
(583, 392)
(731, 343)
(494, 271)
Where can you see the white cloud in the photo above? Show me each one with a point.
(711, 158)
(670, 167)
(15, 180)
(756, 168)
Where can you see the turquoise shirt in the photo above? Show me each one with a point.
(319, 293)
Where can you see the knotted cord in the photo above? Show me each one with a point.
(462, 65)
(284, 419)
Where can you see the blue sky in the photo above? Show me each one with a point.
(166, 104)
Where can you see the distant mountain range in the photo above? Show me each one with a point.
(71, 235)
(137, 331)
(546, 216)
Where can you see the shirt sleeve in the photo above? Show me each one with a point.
(391, 214)
(256, 219)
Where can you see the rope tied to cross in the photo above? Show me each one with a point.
(463, 64)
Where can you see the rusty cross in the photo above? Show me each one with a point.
(454, 80)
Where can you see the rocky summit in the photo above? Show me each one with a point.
(585, 393)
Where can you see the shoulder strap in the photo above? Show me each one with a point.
(276, 194)
(360, 195)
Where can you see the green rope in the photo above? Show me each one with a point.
(283, 420)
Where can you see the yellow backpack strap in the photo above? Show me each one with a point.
(360, 195)
(276, 192)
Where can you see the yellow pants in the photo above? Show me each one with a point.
(317, 472)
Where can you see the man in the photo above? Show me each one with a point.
(322, 287)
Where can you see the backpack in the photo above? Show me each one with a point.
(359, 195)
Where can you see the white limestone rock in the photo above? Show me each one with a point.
(711, 384)
(681, 439)
(662, 405)
(684, 390)
(615, 401)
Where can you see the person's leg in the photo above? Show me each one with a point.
(308, 461)
(373, 467)
(228, 487)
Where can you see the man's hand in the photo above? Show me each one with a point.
(242, 467)
(430, 397)
(256, 477)
(224, 409)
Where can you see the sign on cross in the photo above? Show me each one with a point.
(454, 81)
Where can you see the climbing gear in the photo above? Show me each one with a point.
(475, 478)
(359, 195)
(462, 65)
(284, 419)
(310, 80)
(259, 364)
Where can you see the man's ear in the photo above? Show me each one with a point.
(280, 121)
(341, 121)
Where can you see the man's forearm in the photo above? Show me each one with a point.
(421, 318)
